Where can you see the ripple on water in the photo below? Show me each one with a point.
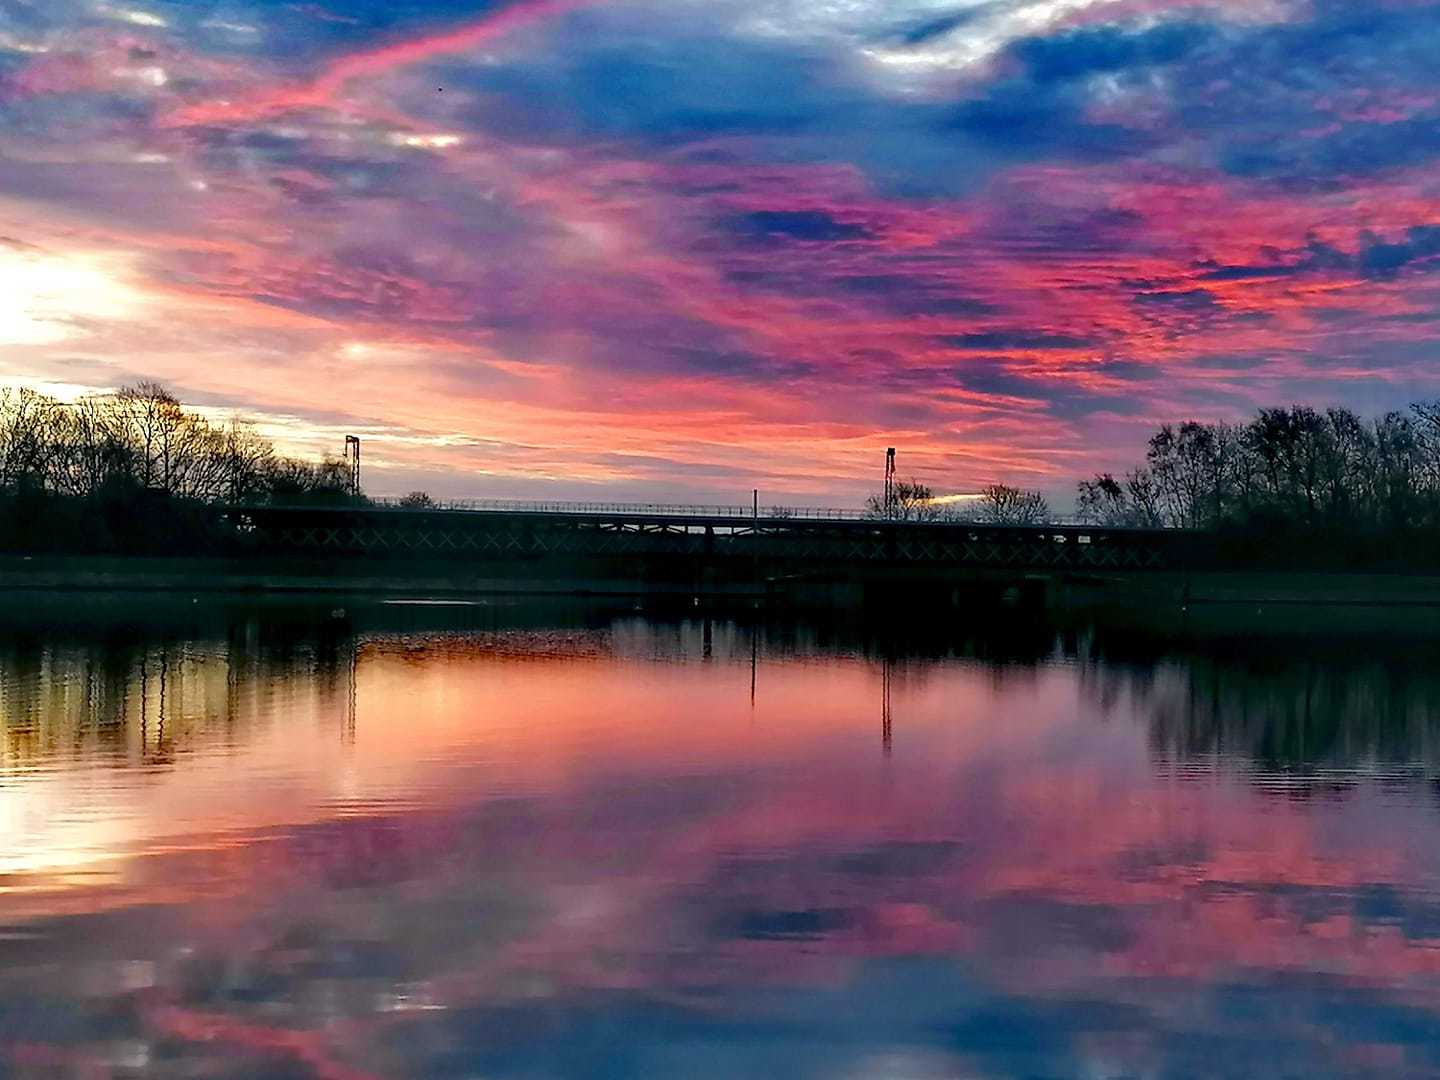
(475, 839)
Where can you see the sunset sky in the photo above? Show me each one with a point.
(642, 249)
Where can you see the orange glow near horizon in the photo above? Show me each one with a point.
(615, 814)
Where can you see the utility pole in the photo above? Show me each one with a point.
(755, 509)
(890, 482)
(352, 462)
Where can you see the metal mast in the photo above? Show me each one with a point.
(890, 482)
(352, 462)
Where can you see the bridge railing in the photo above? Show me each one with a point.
(697, 510)
(772, 512)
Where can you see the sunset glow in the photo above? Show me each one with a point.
(46, 299)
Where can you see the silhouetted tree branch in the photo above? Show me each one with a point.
(1295, 472)
(910, 501)
(76, 472)
(1000, 504)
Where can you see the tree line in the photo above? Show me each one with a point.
(1369, 489)
(75, 473)
(1294, 464)
(1292, 484)
(142, 439)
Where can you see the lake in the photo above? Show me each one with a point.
(351, 839)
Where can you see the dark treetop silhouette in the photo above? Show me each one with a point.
(134, 471)
(1309, 486)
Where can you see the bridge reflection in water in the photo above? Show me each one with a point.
(559, 835)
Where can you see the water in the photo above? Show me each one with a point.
(501, 840)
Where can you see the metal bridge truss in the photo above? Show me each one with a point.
(522, 535)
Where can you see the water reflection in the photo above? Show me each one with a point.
(519, 840)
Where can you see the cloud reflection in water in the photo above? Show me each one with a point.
(509, 843)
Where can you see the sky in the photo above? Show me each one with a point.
(671, 249)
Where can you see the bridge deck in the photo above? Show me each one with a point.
(712, 534)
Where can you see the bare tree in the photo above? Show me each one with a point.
(1399, 465)
(1345, 467)
(1102, 501)
(1144, 496)
(1184, 467)
(1000, 504)
(1287, 468)
(87, 452)
(26, 421)
(910, 500)
(1131, 503)
(143, 438)
(1426, 420)
(249, 460)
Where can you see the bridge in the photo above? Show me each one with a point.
(732, 541)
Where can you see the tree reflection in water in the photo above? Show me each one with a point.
(555, 840)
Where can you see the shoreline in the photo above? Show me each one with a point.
(1215, 589)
